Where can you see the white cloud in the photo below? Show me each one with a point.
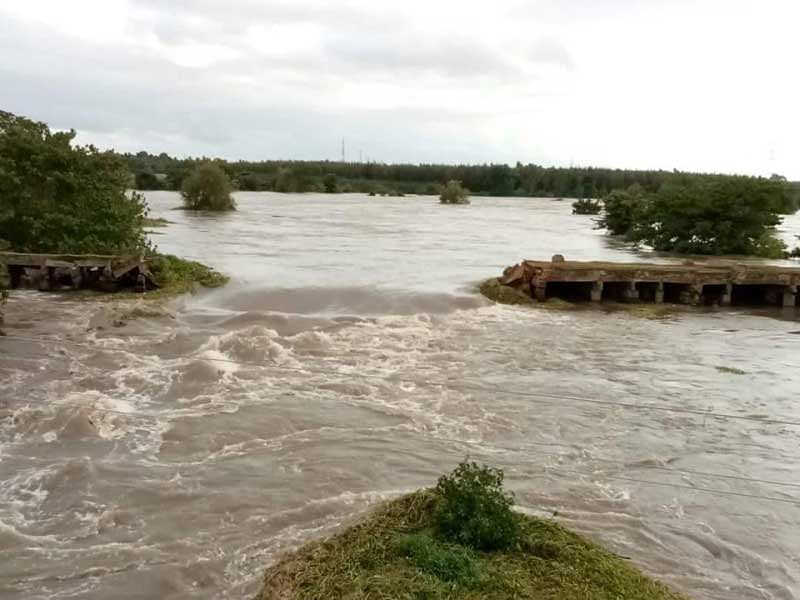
(702, 85)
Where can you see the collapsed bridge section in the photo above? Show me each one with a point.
(713, 283)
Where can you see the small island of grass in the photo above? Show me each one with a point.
(458, 541)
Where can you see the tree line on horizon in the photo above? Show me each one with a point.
(164, 172)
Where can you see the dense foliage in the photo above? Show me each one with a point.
(586, 206)
(207, 188)
(166, 172)
(621, 210)
(56, 197)
(474, 511)
(724, 215)
(453, 193)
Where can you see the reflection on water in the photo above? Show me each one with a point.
(349, 361)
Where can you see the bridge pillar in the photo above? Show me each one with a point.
(789, 295)
(659, 299)
(45, 278)
(540, 291)
(597, 291)
(630, 293)
(725, 298)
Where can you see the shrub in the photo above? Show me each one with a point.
(473, 509)
(448, 562)
(329, 182)
(177, 275)
(453, 193)
(585, 206)
(56, 197)
(207, 188)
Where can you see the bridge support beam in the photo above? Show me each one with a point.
(597, 291)
(659, 298)
(630, 293)
(725, 298)
(789, 296)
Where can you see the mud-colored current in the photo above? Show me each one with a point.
(350, 360)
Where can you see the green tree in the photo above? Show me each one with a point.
(585, 206)
(285, 181)
(207, 188)
(145, 180)
(621, 209)
(726, 215)
(330, 183)
(56, 197)
(453, 193)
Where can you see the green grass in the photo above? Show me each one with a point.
(731, 370)
(178, 276)
(503, 294)
(392, 553)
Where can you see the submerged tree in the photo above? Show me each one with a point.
(730, 215)
(330, 184)
(622, 209)
(586, 206)
(56, 197)
(723, 215)
(207, 188)
(453, 193)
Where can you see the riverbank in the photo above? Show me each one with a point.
(391, 553)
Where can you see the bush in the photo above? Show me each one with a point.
(453, 193)
(329, 182)
(56, 197)
(448, 562)
(584, 206)
(473, 509)
(207, 188)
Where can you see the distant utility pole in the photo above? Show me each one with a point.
(360, 156)
(343, 154)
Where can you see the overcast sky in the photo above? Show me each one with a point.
(707, 85)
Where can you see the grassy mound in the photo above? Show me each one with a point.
(176, 275)
(397, 552)
(503, 294)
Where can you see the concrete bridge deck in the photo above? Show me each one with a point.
(707, 283)
(52, 271)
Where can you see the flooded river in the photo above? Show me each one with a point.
(350, 360)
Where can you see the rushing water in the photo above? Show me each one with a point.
(350, 360)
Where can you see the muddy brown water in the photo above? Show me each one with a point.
(349, 361)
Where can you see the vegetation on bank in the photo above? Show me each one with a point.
(165, 172)
(459, 541)
(57, 197)
(61, 198)
(176, 275)
(207, 188)
(717, 216)
(454, 193)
